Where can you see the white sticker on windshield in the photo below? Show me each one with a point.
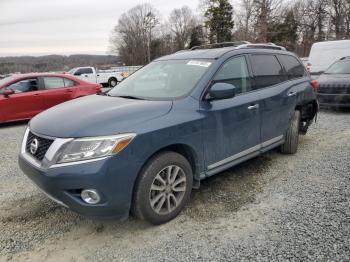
(199, 63)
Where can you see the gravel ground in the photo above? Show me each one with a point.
(272, 208)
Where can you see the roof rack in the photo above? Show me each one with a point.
(263, 46)
(220, 45)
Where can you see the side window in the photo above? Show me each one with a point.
(235, 72)
(83, 71)
(267, 71)
(86, 71)
(293, 67)
(68, 82)
(53, 82)
(26, 85)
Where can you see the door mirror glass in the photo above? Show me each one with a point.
(8, 92)
(220, 91)
(78, 73)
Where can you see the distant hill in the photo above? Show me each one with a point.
(27, 64)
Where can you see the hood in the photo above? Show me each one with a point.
(97, 116)
(336, 84)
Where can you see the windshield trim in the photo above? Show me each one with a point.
(172, 98)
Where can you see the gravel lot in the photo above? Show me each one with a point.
(274, 207)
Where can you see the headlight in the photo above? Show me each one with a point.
(93, 147)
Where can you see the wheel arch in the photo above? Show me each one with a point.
(187, 152)
(308, 112)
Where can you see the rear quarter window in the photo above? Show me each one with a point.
(69, 83)
(267, 71)
(293, 67)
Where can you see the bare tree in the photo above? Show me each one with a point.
(266, 12)
(312, 16)
(338, 17)
(132, 36)
(182, 22)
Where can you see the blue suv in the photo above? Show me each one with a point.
(143, 146)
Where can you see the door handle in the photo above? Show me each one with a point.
(69, 90)
(36, 94)
(253, 107)
(292, 93)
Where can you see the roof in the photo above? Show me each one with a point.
(215, 53)
(39, 75)
(198, 54)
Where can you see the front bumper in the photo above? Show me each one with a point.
(112, 179)
(334, 100)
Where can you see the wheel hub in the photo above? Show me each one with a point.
(168, 189)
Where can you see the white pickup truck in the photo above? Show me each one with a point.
(107, 78)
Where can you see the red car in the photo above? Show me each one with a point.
(24, 96)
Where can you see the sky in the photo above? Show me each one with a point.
(41, 27)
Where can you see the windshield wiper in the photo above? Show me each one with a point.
(131, 97)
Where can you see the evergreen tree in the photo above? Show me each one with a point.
(219, 20)
(285, 33)
(197, 36)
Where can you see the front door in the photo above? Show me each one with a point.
(25, 103)
(86, 74)
(231, 127)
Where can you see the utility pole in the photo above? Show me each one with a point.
(151, 22)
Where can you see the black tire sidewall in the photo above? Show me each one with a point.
(290, 145)
(110, 81)
(142, 204)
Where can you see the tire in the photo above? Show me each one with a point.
(154, 199)
(112, 82)
(290, 145)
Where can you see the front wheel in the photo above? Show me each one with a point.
(163, 188)
(291, 142)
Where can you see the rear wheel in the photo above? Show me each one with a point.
(163, 188)
(112, 82)
(291, 142)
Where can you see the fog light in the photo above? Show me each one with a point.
(90, 196)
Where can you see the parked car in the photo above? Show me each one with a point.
(147, 143)
(107, 78)
(24, 96)
(323, 54)
(334, 85)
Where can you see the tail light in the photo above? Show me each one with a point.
(98, 89)
(314, 85)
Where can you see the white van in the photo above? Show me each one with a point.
(323, 54)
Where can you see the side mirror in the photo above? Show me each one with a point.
(220, 91)
(8, 92)
(77, 74)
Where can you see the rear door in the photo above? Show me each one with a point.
(57, 90)
(278, 97)
(25, 103)
(231, 127)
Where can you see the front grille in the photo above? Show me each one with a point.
(334, 88)
(43, 145)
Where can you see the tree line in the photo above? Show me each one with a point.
(26, 64)
(142, 35)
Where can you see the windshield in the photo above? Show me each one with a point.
(163, 80)
(6, 79)
(71, 72)
(340, 67)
